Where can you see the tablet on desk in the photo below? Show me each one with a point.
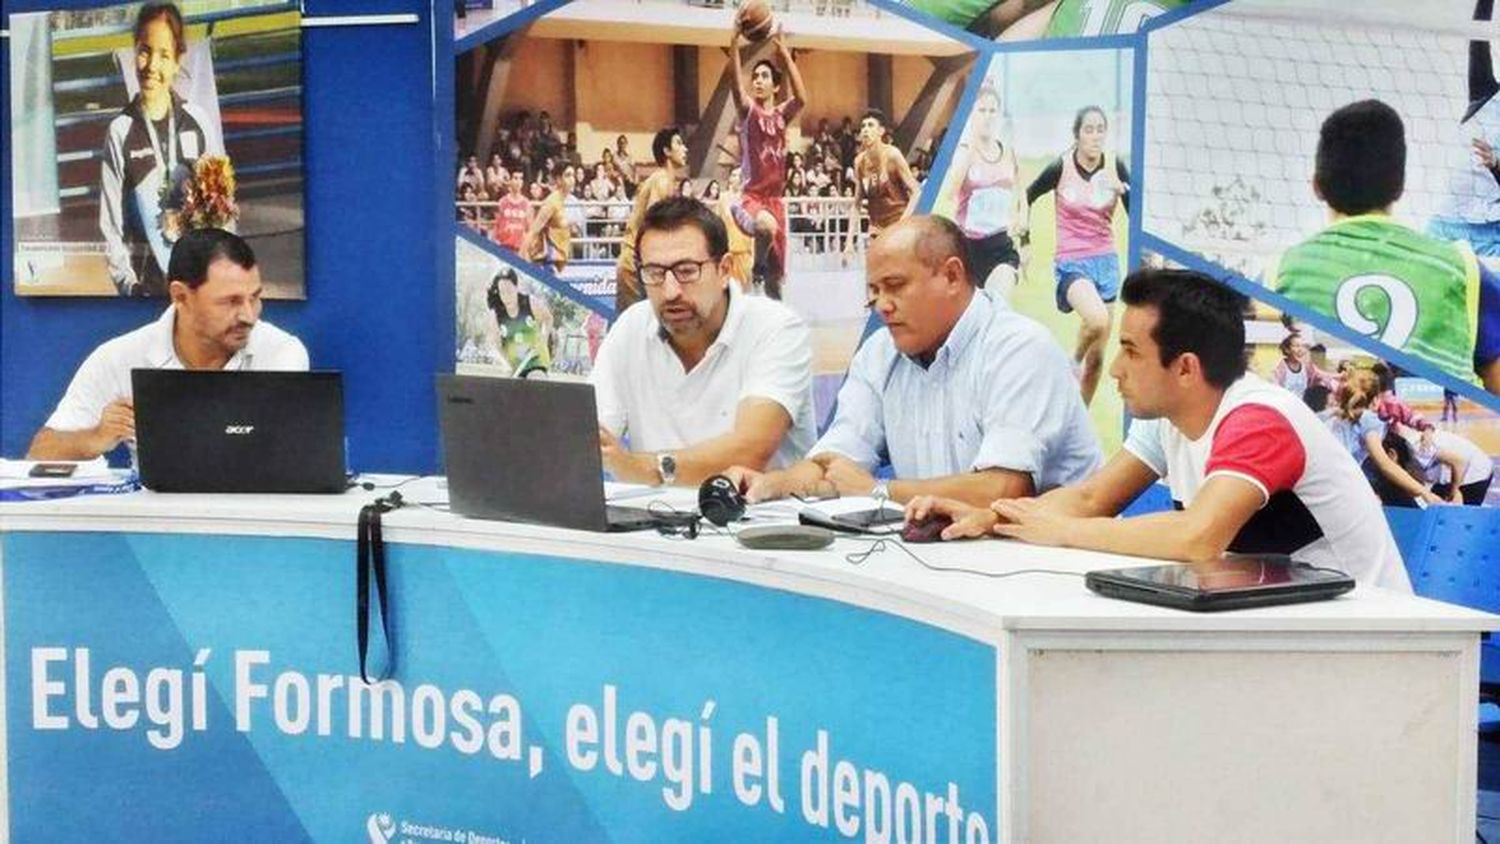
(878, 520)
(1235, 581)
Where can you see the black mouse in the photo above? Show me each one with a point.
(929, 529)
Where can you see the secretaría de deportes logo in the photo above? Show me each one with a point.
(382, 829)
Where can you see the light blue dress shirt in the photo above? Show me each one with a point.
(999, 394)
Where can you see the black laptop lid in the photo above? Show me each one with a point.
(522, 450)
(238, 431)
(1235, 581)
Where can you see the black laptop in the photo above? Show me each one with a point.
(527, 450)
(1235, 581)
(239, 431)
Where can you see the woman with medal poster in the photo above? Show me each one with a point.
(149, 153)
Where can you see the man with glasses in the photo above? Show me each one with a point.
(963, 397)
(699, 376)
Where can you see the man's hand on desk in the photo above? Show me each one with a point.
(757, 486)
(848, 477)
(805, 478)
(116, 425)
(627, 466)
(969, 522)
(1031, 520)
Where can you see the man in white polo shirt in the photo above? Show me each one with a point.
(1250, 467)
(699, 376)
(213, 323)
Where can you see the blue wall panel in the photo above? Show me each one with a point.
(371, 258)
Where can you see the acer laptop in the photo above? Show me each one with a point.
(238, 431)
(527, 450)
(1235, 581)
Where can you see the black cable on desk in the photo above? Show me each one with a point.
(880, 544)
(371, 485)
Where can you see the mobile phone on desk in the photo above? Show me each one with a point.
(876, 520)
(53, 470)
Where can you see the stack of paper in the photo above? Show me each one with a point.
(22, 480)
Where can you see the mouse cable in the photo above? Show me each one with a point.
(880, 544)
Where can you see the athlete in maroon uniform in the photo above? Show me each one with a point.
(513, 215)
(763, 123)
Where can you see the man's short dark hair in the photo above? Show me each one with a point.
(775, 71)
(199, 248)
(938, 239)
(675, 212)
(662, 141)
(877, 114)
(1194, 314)
(167, 12)
(1361, 162)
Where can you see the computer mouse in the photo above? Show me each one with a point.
(929, 529)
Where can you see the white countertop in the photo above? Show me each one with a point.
(889, 580)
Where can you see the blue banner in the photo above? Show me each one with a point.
(178, 687)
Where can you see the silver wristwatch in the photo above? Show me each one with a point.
(881, 492)
(666, 466)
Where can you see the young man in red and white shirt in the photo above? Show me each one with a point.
(1250, 467)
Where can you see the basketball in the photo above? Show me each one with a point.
(754, 20)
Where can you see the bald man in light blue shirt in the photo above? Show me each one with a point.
(961, 395)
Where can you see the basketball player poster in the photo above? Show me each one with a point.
(805, 129)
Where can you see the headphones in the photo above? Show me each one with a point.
(720, 501)
(684, 525)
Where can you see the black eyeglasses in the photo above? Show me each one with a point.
(686, 272)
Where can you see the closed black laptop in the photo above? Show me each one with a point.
(524, 450)
(216, 431)
(1237, 581)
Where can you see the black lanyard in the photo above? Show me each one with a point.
(370, 555)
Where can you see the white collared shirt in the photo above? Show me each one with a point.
(763, 351)
(105, 374)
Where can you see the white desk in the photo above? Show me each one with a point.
(1347, 720)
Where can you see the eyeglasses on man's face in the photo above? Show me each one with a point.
(685, 272)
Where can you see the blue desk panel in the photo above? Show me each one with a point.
(193, 687)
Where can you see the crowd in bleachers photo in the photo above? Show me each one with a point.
(822, 216)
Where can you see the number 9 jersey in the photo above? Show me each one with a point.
(1408, 290)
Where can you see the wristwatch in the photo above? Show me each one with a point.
(666, 466)
(881, 491)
